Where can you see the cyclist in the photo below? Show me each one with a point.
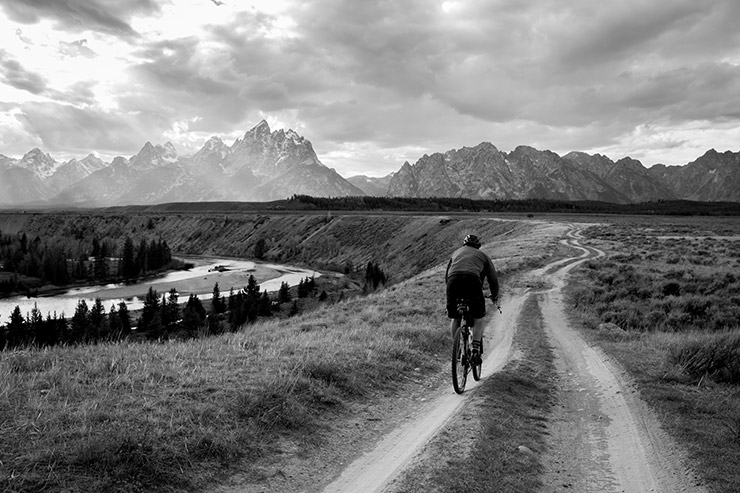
(466, 270)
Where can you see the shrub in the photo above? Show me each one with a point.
(671, 288)
(716, 356)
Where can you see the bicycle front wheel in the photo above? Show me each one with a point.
(460, 362)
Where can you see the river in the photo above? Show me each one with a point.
(199, 280)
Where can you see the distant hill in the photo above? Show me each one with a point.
(267, 165)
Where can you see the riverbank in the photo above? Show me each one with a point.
(199, 280)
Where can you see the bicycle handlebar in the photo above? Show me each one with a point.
(496, 303)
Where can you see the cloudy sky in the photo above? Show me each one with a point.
(372, 83)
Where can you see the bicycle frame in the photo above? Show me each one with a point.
(462, 347)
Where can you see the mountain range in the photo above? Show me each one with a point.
(484, 172)
(267, 165)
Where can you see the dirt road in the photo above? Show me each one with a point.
(602, 437)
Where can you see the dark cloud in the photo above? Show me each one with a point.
(109, 16)
(594, 33)
(13, 74)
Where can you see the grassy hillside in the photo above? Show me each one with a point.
(182, 416)
(403, 245)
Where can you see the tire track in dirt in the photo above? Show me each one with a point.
(375, 470)
(602, 436)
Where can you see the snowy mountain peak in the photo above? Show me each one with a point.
(39, 163)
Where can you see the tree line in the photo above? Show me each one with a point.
(162, 317)
(457, 204)
(64, 261)
(89, 324)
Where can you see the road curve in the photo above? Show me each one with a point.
(602, 437)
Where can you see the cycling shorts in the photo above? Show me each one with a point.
(469, 287)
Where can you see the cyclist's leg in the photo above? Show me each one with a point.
(453, 293)
(478, 329)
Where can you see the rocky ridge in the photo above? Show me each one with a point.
(267, 165)
(262, 165)
(484, 172)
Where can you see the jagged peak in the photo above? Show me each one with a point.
(36, 153)
(486, 145)
(261, 128)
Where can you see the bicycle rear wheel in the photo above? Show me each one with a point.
(460, 364)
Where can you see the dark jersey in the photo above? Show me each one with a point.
(468, 260)
(466, 270)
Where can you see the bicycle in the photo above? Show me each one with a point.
(462, 348)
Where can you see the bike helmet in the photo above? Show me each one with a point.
(472, 240)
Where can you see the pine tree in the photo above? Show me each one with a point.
(125, 318)
(284, 293)
(253, 289)
(16, 328)
(302, 289)
(217, 304)
(150, 310)
(97, 315)
(193, 314)
(195, 304)
(265, 306)
(35, 326)
(173, 308)
(80, 322)
(128, 262)
(232, 299)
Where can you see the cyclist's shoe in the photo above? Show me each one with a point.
(475, 358)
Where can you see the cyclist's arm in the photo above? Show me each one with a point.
(492, 279)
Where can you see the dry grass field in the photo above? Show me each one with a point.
(284, 404)
(665, 301)
(274, 398)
